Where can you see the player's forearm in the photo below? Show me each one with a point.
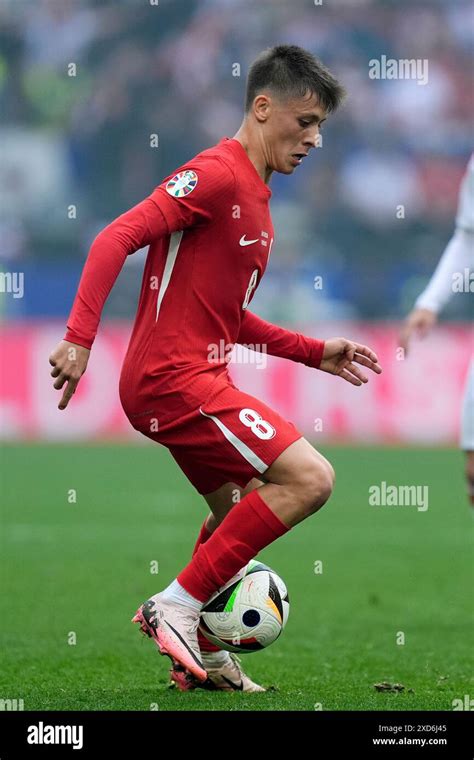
(457, 256)
(125, 235)
(278, 341)
(104, 262)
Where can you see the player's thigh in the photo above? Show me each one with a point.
(227, 496)
(300, 468)
(298, 464)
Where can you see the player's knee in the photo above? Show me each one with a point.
(316, 486)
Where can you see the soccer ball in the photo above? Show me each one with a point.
(249, 612)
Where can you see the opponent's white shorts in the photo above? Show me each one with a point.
(467, 417)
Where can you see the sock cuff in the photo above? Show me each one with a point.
(263, 511)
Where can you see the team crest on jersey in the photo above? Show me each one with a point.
(182, 183)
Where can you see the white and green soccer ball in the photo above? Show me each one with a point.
(249, 612)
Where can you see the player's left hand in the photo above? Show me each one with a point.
(341, 357)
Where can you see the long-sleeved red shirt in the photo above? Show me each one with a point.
(210, 235)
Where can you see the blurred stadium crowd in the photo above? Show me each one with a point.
(167, 69)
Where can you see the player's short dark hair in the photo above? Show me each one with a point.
(290, 71)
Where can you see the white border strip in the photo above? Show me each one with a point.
(173, 248)
(241, 447)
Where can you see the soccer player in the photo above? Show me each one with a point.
(210, 234)
(456, 261)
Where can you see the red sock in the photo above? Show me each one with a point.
(204, 534)
(246, 529)
(204, 644)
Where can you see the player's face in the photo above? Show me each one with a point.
(291, 131)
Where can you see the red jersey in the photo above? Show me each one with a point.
(210, 235)
(199, 279)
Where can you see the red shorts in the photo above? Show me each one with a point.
(231, 437)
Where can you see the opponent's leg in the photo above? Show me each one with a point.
(469, 470)
(467, 431)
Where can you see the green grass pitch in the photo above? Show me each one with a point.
(76, 570)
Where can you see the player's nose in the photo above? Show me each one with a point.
(311, 140)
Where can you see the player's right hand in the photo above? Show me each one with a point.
(69, 362)
(419, 321)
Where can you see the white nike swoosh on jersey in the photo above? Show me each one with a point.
(243, 241)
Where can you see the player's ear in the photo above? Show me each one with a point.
(262, 107)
